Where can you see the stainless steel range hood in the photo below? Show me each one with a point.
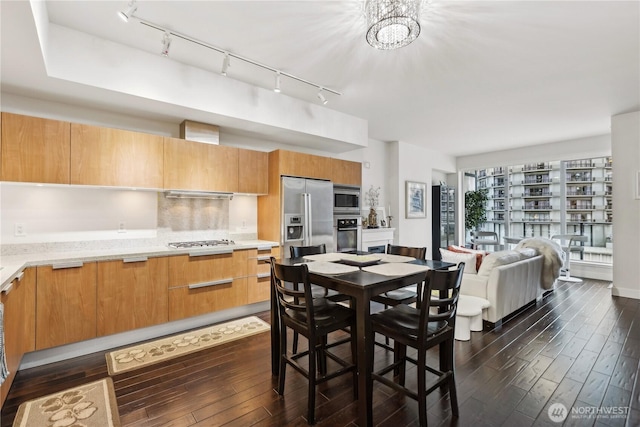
(183, 194)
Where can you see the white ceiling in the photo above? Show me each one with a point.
(482, 75)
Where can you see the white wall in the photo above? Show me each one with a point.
(625, 137)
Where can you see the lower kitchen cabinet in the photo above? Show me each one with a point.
(19, 323)
(66, 297)
(259, 274)
(203, 282)
(202, 298)
(132, 293)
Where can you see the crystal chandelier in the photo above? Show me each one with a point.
(392, 23)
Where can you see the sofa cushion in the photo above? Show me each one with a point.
(458, 257)
(526, 253)
(496, 259)
(479, 254)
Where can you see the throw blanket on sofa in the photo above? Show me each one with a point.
(553, 258)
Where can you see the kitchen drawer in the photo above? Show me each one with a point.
(259, 288)
(258, 261)
(204, 298)
(201, 267)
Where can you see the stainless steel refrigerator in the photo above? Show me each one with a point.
(307, 207)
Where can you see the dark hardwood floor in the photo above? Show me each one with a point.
(580, 347)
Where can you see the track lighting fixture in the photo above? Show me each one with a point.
(276, 88)
(166, 44)
(126, 14)
(321, 97)
(225, 64)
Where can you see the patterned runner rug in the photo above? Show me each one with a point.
(145, 354)
(90, 405)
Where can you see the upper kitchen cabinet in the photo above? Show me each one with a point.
(190, 165)
(346, 172)
(304, 165)
(115, 157)
(253, 172)
(35, 149)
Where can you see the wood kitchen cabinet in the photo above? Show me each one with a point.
(304, 165)
(35, 149)
(346, 172)
(190, 165)
(66, 303)
(115, 157)
(205, 282)
(132, 293)
(253, 172)
(19, 323)
(259, 273)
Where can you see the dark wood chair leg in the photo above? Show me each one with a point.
(312, 385)
(283, 363)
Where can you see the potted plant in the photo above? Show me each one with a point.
(475, 208)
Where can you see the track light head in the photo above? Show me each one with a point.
(126, 14)
(321, 97)
(276, 88)
(166, 44)
(225, 64)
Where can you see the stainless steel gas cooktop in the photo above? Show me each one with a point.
(201, 244)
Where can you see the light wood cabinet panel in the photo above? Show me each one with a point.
(187, 270)
(66, 304)
(187, 302)
(198, 166)
(115, 157)
(35, 149)
(259, 274)
(304, 165)
(132, 293)
(253, 172)
(19, 324)
(258, 288)
(206, 283)
(346, 172)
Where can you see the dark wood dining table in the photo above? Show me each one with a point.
(361, 286)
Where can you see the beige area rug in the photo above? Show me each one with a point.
(145, 354)
(89, 405)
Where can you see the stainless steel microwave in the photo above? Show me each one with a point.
(346, 200)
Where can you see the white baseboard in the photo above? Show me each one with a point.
(590, 270)
(625, 292)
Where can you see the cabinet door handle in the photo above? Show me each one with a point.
(72, 264)
(210, 252)
(20, 276)
(264, 275)
(264, 258)
(135, 259)
(212, 283)
(264, 248)
(8, 289)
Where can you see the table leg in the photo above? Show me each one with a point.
(365, 383)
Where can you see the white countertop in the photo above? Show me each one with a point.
(377, 230)
(12, 265)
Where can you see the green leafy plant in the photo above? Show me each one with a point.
(475, 208)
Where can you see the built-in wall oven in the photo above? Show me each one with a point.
(346, 200)
(347, 233)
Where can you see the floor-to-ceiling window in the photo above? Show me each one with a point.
(548, 198)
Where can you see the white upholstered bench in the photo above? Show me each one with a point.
(469, 316)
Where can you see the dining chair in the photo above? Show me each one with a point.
(426, 326)
(408, 294)
(315, 319)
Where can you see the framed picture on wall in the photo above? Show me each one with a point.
(416, 193)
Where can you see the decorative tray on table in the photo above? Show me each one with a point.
(360, 260)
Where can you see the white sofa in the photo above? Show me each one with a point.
(510, 280)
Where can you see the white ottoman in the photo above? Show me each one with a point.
(469, 316)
